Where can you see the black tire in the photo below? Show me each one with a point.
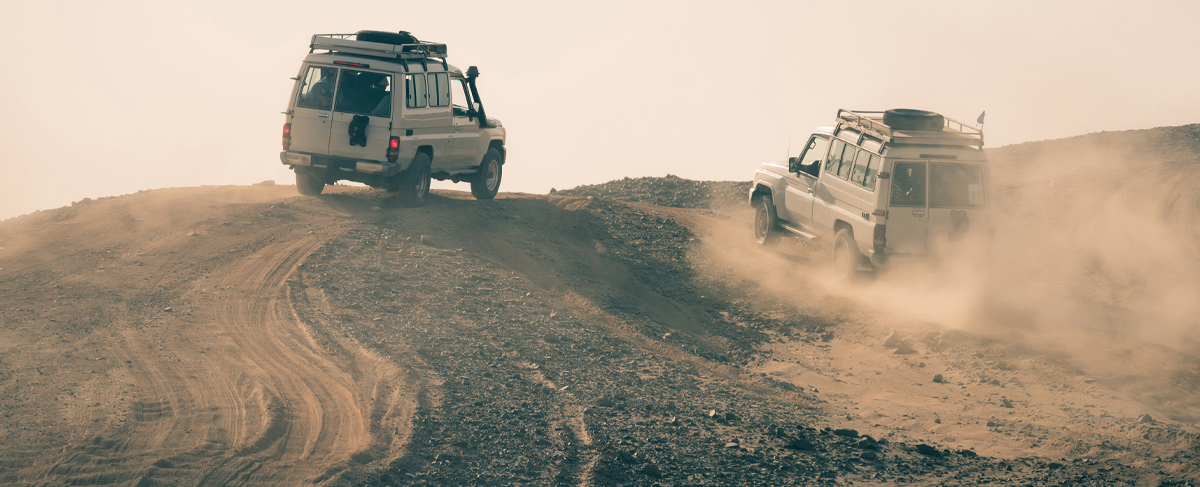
(309, 185)
(486, 182)
(909, 119)
(766, 223)
(414, 182)
(845, 257)
(382, 37)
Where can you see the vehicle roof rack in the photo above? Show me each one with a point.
(348, 43)
(871, 123)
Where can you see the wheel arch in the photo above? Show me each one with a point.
(760, 190)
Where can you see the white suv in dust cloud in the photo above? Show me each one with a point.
(386, 110)
(880, 187)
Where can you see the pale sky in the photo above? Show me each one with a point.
(108, 98)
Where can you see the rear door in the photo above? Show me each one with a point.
(800, 184)
(908, 212)
(367, 94)
(957, 204)
(313, 110)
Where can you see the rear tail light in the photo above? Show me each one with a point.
(393, 151)
(287, 136)
(880, 237)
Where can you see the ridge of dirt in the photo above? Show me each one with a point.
(671, 191)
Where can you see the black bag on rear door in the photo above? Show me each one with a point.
(358, 130)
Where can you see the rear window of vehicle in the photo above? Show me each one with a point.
(955, 185)
(908, 184)
(317, 90)
(364, 93)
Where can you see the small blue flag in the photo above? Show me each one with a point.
(980, 121)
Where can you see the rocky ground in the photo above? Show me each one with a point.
(620, 334)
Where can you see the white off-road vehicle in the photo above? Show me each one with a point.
(880, 187)
(386, 110)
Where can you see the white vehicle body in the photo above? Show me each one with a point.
(897, 194)
(409, 102)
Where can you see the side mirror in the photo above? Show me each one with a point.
(793, 164)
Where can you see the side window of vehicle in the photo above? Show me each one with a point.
(317, 89)
(365, 93)
(414, 91)
(908, 184)
(835, 156)
(459, 98)
(439, 90)
(847, 161)
(872, 172)
(810, 160)
(862, 164)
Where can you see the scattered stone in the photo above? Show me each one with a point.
(731, 417)
(892, 340)
(1002, 365)
(1006, 403)
(1089, 381)
(1145, 418)
(801, 444)
(937, 420)
(651, 470)
(551, 338)
(731, 445)
(848, 433)
(938, 378)
(167, 309)
(869, 455)
(904, 349)
(1054, 465)
(605, 402)
(928, 450)
(991, 424)
(968, 453)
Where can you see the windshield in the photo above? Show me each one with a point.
(955, 186)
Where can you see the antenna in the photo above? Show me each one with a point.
(789, 152)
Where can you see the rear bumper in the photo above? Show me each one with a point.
(375, 168)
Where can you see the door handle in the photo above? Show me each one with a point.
(322, 115)
(918, 212)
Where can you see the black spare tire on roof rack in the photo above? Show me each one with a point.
(909, 119)
(382, 37)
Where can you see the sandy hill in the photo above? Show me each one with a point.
(247, 335)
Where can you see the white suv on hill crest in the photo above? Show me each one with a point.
(387, 110)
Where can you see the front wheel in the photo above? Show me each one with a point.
(309, 185)
(414, 183)
(486, 182)
(766, 223)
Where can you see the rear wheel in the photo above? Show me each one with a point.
(486, 182)
(414, 183)
(846, 258)
(766, 223)
(309, 185)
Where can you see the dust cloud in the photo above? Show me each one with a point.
(1095, 233)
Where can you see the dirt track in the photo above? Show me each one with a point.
(244, 335)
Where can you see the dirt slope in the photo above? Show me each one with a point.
(245, 335)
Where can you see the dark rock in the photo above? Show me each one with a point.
(1054, 465)
(904, 349)
(938, 378)
(801, 444)
(1006, 403)
(968, 453)
(1145, 418)
(848, 433)
(731, 417)
(991, 424)
(928, 450)
(605, 402)
(651, 470)
(869, 455)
